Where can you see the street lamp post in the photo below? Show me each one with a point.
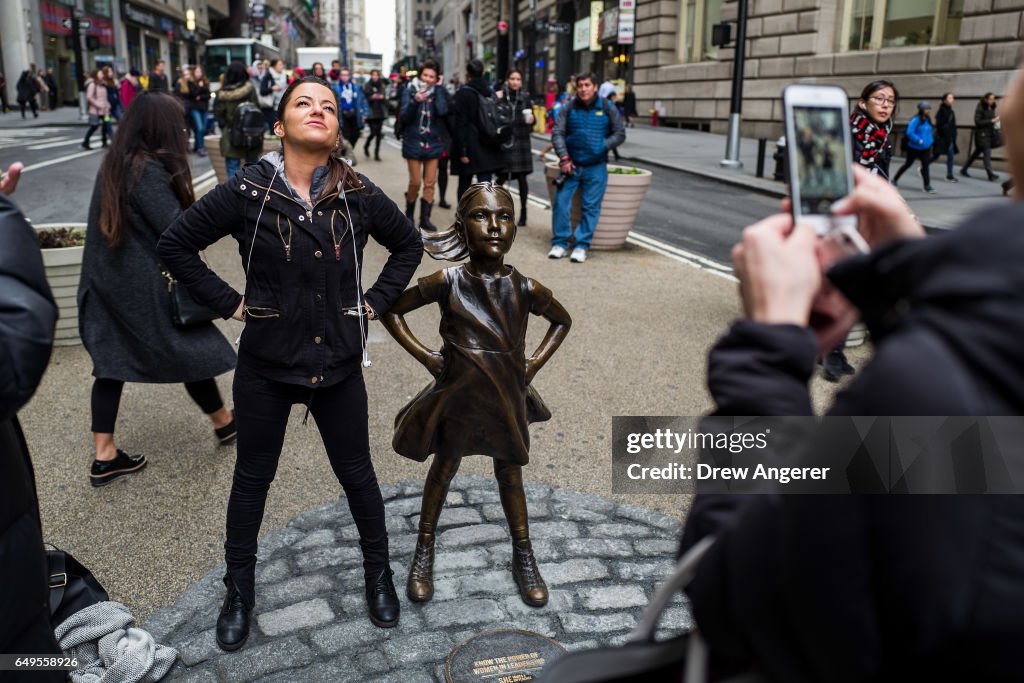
(732, 145)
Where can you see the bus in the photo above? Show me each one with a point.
(222, 51)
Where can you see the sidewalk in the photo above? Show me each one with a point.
(63, 116)
(700, 153)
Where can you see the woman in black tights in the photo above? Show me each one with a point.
(518, 151)
(143, 185)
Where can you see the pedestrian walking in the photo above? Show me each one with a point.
(301, 218)
(4, 105)
(27, 89)
(183, 91)
(919, 137)
(142, 186)
(263, 84)
(44, 90)
(157, 81)
(476, 154)
(352, 107)
(199, 101)
(113, 92)
(375, 94)
(519, 149)
(130, 88)
(319, 71)
(51, 84)
(448, 138)
(98, 108)
(236, 91)
(481, 400)
(335, 73)
(587, 127)
(945, 134)
(279, 83)
(987, 135)
(28, 316)
(629, 111)
(423, 108)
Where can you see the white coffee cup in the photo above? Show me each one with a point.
(528, 115)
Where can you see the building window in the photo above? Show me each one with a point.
(696, 17)
(874, 24)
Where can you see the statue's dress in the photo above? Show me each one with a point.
(480, 404)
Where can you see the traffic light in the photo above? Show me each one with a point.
(190, 19)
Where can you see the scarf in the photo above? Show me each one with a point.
(872, 139)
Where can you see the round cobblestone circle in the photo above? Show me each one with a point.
(601, 560)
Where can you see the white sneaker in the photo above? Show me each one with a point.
(579, 255)
(557, 252)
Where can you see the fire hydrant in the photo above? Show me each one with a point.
(654, 117)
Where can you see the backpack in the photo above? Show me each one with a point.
(495, 118)
(247, 128)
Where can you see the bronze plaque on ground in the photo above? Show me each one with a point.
(500, 656)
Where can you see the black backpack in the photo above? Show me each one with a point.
(495, 118)
(247, 127)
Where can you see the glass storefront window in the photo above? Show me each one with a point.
(875, 24)
(696, 18)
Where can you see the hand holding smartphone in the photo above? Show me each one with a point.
(819, 155)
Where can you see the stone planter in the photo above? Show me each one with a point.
(63, 271)
(212, 143)
(619, 208)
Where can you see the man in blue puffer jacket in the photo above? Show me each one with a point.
(586, 129)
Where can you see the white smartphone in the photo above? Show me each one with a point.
(819, 154)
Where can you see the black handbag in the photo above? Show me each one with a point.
(72, 586)
(683, 659)
(185, 312)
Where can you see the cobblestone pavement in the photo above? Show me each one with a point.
(601, 560)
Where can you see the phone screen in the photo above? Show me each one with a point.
(821, 164)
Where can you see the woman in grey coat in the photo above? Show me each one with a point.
(143, 184)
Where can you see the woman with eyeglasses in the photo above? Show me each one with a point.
(871, 129)
(143, 184)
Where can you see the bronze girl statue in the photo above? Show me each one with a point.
(480, 401)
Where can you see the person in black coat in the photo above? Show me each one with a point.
(27, 90)
(123, 305)
(986, 129)
(945, 134)
(51, 83)
(375, 91)
(475, 154)
(301, 218)
(28, 318)
(870, 588)
(519, 150)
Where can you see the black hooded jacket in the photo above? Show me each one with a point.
(878, 588)
(484, 156)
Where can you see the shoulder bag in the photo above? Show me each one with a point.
(72, 586)
(185, 312)
(642, 659)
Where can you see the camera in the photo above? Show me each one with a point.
(559, 180)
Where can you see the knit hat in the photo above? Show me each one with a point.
(924, 104)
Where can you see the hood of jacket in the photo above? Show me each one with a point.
(965, 285)
(480, 85)
(276, 161)
(241, 91)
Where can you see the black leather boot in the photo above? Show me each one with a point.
(425, 209)
(522, 216)
(410, 210)
(382, 600)
(233, 622)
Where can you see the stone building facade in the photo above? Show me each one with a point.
(926, 47)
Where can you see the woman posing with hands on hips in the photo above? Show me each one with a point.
(301, 218)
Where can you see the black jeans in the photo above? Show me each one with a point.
(350, 131)
(376, 126)
(106, 400)
(913, 155)
(262, 407)
(465, 180)
(986, 155)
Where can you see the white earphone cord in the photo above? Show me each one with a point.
(360, 305)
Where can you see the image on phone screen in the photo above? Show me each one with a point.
(822, 166)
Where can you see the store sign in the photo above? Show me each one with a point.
(101, 29)
(259, 16)
(596, 8)
(53, 17)
(608, 28)
(581, 35)
(139, 16)
(627, 5)
(627, 29)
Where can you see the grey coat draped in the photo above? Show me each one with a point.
(124, 316)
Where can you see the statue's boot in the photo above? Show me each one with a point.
(420, 586)
(532, 588)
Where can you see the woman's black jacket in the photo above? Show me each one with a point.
(295, 327)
